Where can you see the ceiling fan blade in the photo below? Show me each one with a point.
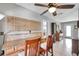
(65, 6)
(41, 5)
(44, 12)
(54, 13)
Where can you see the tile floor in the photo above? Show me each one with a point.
(63, 48)
(60, 48)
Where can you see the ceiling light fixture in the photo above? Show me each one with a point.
(52, 9)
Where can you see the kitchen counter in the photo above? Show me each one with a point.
(17, 41)
(19, 37)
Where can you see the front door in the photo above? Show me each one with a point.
(68, 31)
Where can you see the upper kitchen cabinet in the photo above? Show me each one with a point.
(34, 25)
(10, 23)
(20, 24)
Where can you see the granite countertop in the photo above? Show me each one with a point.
(16, 39)
(19, 37)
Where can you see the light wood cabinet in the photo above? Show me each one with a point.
(10, 23)
(20, 24)
(34, 25)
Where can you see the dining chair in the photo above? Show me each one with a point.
(32, 47)
(48, 48)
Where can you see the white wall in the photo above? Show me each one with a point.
(73, 16)
(0, 26)
(74, 32)
(25, 13)
(49, 27)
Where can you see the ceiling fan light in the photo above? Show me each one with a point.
(52, 9)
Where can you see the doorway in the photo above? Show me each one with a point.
(68, 31)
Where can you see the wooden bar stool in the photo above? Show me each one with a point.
(32, 47)
(49, 46)
(57, 36)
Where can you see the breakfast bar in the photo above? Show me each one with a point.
(16, 43)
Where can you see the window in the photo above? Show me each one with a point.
(68, 31)
(45, 27)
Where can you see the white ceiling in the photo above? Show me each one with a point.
(61, 12)
(5, 7)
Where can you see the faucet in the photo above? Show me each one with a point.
(29, 31)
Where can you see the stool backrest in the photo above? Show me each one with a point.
(49, 42)
(32, 47)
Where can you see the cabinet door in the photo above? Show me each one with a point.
(27, 25)
(20, 24)
(34, 25)
(38, 25)
(31, 25)
(10, 24)
(17, 26)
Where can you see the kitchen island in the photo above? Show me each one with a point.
(16, 43)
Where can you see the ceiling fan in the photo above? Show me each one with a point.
(53, 6)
